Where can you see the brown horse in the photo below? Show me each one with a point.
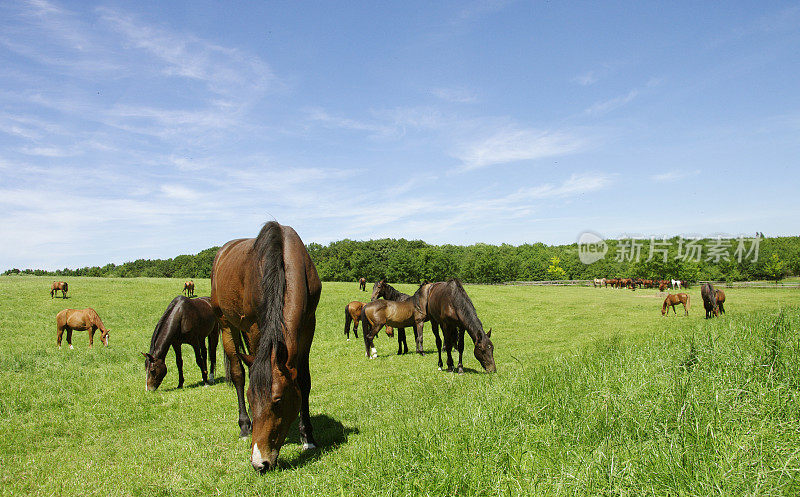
(710, 301)
(673, 300)
(720, 301)
(362, 284)
(187, 321)
(59, 285)
(80, 319)
(388, 292)
(663, 285)
(188, 288)
(352, 312)
(399, 314)
(450, 307)
(265, 292)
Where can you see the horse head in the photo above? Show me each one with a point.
(484, 352)
(155, 371)
(378, 290)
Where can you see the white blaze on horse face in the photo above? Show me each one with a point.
(255, 459)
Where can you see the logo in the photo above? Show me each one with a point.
(591, 247)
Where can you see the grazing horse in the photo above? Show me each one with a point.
(450, 307)
(59, 285)
(352, 312)
(362, 284)
(399, 314)
(264, 292)
(80, 319)
(710, 303)
(188, 288)
(388, 292)
(673, 300)
(599, 282)
(720, 301)
(187, 321)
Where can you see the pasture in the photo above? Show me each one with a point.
(595, 393)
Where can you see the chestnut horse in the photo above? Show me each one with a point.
(399, 314)
(720, 301)
(264, 292)
(388, 292)
(188, 288)
(187, 321)
(80, 319)
(710, 303)
(673, 300)
(362, 284)
(450, 307)
(352, 312)
(59, 285)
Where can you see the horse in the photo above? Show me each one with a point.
(399, 314)
(80, 319)
(59, 285)
(362, 284)
(598, 282)
(265, 292)
(187, 321)
(710, 303)
(673, 300)
(676, 284)
(188, 288)
(388, 292)
(663, 285)
(720, 301)
(450, 307)
(352, 312)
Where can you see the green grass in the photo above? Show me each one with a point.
(595, 393)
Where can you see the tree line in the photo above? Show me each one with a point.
(412, 261)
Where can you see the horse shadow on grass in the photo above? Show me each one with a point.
(329, 433)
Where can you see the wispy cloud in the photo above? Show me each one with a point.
(455, 95)
(674, 175)
(611, 104)
(586, 79)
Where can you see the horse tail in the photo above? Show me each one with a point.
(269, 248)
(366, 326)
(66, 288)
(688, 301)
(347, 320)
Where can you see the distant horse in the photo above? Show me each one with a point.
(59, 285)
(388, 292)
(599, 282)
(673, 300)
(720, 301)
(450, 307)
(362, 284)
(710, 303)
(188, 288)
(684, 284)
(399, 314)
(352, 312)
(611, 281)
(187, 321)
(663, 285)
(80, 319)
(676, 284)
(264, 292)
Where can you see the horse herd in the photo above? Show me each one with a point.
(633, 283)
(264, 295)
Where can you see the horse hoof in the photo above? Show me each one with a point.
(348, 339)
(440, 368)
(71, 347)
(309, 446)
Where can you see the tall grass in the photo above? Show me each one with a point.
(596, 394)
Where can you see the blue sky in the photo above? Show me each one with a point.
(152, 129)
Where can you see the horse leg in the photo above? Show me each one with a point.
(369, 340)
(418, 336)
(236, 376)
(355, 328)
(178, 362)
(91, 331)
(201, 358)
(304, 382)
(69, 337)
(59, 333)
(460, 346)
(213, 339)
(435, 327)
(401, 338)
(448, 345)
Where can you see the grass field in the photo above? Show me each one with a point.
(595, 393)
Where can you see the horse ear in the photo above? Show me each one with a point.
(489, 333)
(147, 355)
(247, 359)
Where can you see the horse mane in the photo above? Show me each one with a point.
(268, 248)
(465, 309)
(162, 322)
(391, 293)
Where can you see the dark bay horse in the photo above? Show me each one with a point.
(187, 321)
(399, 314)
(362, 284)
(264, 292)
(720, 301)
(450, 307)
(388, 292)
(188, 288)
(80, 319)
(673, 300)
(59, 285)
(709, 295)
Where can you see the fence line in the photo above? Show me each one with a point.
(722, 284)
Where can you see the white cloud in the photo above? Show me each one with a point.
(586, 79)
(674, 175)
(611, 104)
(455, 95)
